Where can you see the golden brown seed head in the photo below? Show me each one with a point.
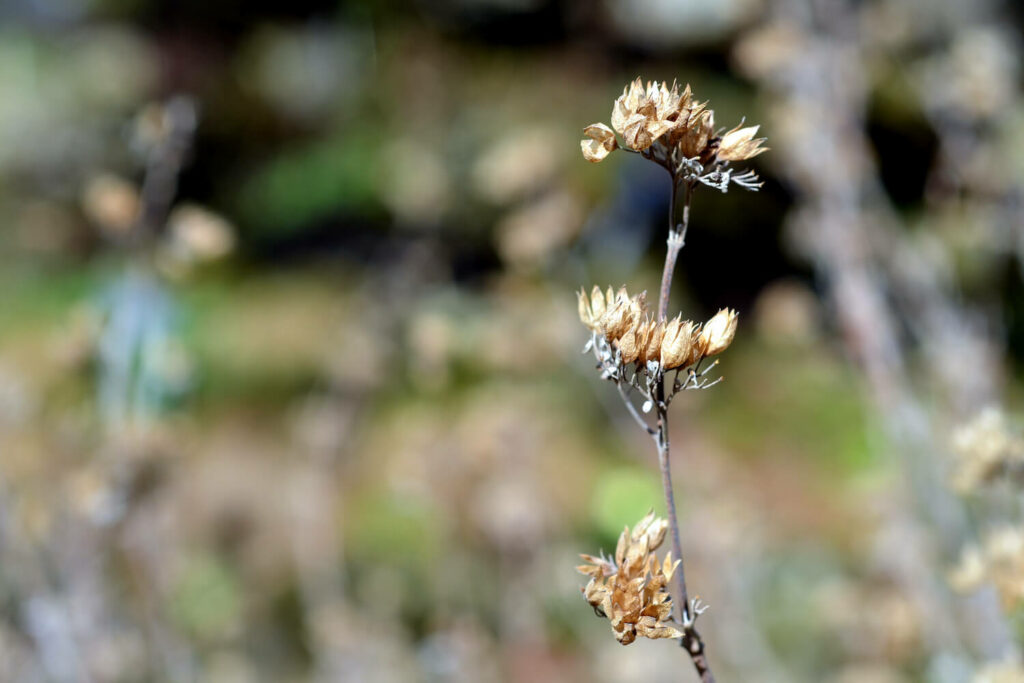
(624, 314)
(599, 142)
(642, 115)
(631, 589)
(630, 345)
(653, 333)
(591, 308)
(718, 332)
(677, 344)
(739, 144)
(694, 137)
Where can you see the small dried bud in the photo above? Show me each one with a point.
(693, 140)
(699, 347)
(719, 332)
(739, 144)
(677, 344)
(625, 314)
(112, 203)
(653, 331)
(592, 308)
(691, 114)
(599, 143)
(630, 345)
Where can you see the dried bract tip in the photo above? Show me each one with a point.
(599, 143)
(718, 332)
(739, 144)
(631, 590)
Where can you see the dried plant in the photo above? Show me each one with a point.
(999, 561)
(631, 589)
(636, 349)
(986, 450)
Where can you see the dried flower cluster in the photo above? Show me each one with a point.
(636, 349)
(1000, 672)
(625, 336)
(998, 561)
(631, 589)
(986, 451)
(675, 130)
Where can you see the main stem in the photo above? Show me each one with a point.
(691, 638)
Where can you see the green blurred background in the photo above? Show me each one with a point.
(325, 417)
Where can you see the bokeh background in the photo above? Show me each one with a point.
(290, 382)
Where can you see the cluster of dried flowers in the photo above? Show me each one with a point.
(997, 561)
(631, 589)
(625, 335)
(986, 450)
(675, 130)
(1010, 671)
(636, 350)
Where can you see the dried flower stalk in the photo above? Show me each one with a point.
(636, 349)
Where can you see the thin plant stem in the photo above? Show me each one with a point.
(691, 638)
(633, 411)
(676, 240)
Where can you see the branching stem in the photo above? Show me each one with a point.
(631, 407)
(691, 641)
(676, 240)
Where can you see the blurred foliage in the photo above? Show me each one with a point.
(381, 450)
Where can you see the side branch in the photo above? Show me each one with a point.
(631, 407)
(676, 240)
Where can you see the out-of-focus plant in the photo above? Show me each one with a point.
(656, 357)
(989, 456)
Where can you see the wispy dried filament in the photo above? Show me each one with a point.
(631, 589)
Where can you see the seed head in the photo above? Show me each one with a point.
(630, 345)
(718, 332)
(653, 331)
(739, 144)
(593, 307)
(631, 589)
(599, 143)
(641, 116)
(626, 313)
(677, 344)
(693, 138)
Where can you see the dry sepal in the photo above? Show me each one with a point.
(631, 589)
